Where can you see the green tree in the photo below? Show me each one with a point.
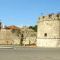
(34, 28)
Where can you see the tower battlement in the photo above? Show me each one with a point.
(50, 17)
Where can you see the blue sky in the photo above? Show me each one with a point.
(26, 12)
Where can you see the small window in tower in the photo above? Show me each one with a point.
(45, 34)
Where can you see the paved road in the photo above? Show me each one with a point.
(30, 54)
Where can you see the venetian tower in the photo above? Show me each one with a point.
(48, 31)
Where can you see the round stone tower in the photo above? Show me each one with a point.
(48, 31)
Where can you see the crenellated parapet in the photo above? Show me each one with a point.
(49, 17)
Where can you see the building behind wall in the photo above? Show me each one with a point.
(48, 31)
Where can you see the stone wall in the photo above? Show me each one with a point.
(7, 38)
(29, 36)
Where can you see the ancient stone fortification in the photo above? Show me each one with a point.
(29, 36)
(48, 31)
(7, 38)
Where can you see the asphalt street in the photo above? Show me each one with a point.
(24, 53)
